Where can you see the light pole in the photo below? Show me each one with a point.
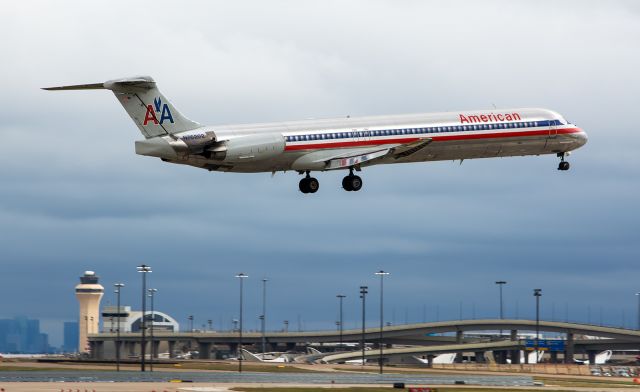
(263, 317)
(118, 287)
(382, 274)
(241, 277)
(144, 270)
(501, 283)
(340, 327)
(637, 295)
(537, 293)
(363, 295)
(152, 293)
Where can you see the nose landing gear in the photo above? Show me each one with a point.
(563, 165)
(309, 184)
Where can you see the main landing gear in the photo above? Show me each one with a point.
(352, 183)
(309, 184)
(564, 165)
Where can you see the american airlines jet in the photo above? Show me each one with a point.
(347, 143)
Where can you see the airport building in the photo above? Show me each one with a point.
(89, 293)
(131, 320)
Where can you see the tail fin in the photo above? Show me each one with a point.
(149, 109)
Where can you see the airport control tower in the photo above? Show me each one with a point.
(89, 293)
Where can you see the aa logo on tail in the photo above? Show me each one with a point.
(165, 113)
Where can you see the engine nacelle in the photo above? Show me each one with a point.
(248, 148)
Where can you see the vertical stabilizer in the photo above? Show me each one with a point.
(152, 112)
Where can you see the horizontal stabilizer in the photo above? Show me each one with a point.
(93, 86)
(125, 85)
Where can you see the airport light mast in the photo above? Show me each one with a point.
(241, 276)
(263, 317)
(363, 294)
(501, 283)
(152, 293)
(537, 293)
(382, 274)
(340, 323)
(144, 270)
(118, 289)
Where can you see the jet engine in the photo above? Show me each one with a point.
(247, 148)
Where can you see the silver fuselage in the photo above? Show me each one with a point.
(453, 136)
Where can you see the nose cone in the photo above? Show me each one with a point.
(581, 138)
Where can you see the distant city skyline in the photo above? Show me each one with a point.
(22, 335)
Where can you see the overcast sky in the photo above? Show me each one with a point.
(75, 197)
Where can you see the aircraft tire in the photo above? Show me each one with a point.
(304, 185)
(346, 183)
(313, 185)
(564, 165)
(356, 183)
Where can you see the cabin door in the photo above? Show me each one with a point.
(553, 129)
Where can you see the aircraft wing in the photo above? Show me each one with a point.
(353, 157)
(350, 160)
(359, 156)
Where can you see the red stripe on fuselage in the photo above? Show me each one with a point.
(468, 136)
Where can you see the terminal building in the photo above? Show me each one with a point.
(131, 320)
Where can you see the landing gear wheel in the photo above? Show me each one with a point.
(346, 183)
(312, 185)
(356, 183)
(309, 185)
(352, 183)
(304, 185)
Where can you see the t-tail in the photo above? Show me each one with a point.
(149, 109)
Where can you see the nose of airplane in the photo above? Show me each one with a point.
(581, 137)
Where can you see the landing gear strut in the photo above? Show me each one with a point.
(563, 164)
(309, 184)
(352, 183)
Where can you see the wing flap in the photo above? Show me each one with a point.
(353, 157)
(345, 162)
(405, 150)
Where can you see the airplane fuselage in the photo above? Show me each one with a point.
(307, 145)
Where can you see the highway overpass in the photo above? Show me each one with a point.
(420, 334)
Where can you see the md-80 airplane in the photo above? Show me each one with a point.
(347, 143)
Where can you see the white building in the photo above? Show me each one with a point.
(131, 320)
